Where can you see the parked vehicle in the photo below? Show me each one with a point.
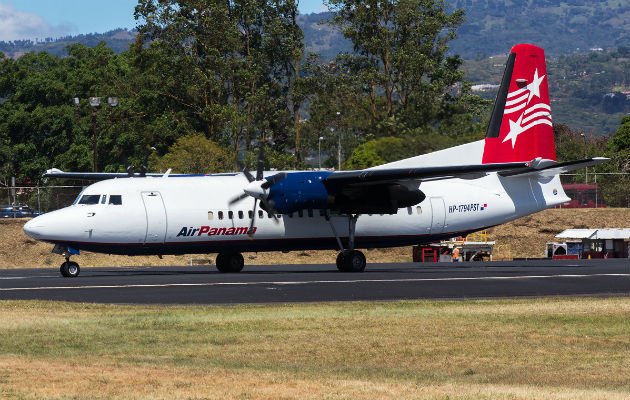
(583, 196)
(18, 211)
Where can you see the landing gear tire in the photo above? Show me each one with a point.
(70, 269)
(351, 261)
(230, 262)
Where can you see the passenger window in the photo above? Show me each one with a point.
(310, 213)
(250, 214)
(300, 213)
(210, 215)
(90, 199)
(240, 215)
(103, 199)
(419, 210)
(322, 212)
(115, 199)
(260, 214)
(269, 215)
(230, 215)
(220, 214)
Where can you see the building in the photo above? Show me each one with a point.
(591, 243)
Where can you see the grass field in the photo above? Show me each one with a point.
(504, 349)
(525, 237)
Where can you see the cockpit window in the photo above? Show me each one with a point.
(115, 199)
(90, 199)
(76, 201)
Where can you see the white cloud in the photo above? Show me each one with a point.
(18, 25)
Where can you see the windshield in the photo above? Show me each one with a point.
(76, 201)
(90, 199)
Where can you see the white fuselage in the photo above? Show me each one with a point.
(177, 215)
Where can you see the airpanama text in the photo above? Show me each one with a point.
(206, 230)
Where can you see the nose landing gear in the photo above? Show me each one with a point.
(69, 269)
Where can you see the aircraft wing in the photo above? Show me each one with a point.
(99, 176)
(373, 176)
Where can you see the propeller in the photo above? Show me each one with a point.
(258, 189)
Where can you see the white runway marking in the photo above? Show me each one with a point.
(287, 283)
(28, 277)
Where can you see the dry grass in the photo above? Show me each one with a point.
(51, 379)
(525, 237)
(508, 349)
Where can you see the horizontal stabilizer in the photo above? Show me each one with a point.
(547, 168)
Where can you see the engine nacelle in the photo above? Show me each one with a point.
(299, 191)
(304, 190)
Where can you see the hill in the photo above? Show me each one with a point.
(525, 237)
(589, 88)
(559, 26)
(117, 39)
(491, 27)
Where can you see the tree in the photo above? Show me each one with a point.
(377, 152)
(403, 71)
(193, 154)
(228, 64)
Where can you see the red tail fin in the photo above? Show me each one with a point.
(520, 127)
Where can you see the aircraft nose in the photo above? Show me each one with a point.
(33, 228)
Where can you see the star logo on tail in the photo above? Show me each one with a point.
(535, 114)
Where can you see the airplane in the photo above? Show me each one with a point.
(509, 174)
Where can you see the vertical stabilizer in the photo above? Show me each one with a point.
(520, 128)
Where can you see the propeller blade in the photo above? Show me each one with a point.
(251, 225)
(260, 166)
(245, 171)
(238, 198)
(128, 167)
(272, 180)
(268, 206)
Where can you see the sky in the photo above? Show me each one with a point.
(39, 19)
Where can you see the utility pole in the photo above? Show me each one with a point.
(320, 152)
(338, 143)
(586, 168)
(96, 102)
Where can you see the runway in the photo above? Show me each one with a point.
(321, 282)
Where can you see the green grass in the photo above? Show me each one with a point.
(570, 344)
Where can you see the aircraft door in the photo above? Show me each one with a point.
(156, 217)
(438, 215)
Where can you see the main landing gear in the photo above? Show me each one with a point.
(230, 262)
(349, 260)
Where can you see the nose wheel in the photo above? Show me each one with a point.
(69, 269)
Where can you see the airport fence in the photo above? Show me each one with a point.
(40, 198)
(613, 191)
(612, 188)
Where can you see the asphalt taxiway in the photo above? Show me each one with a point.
(322, 282)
